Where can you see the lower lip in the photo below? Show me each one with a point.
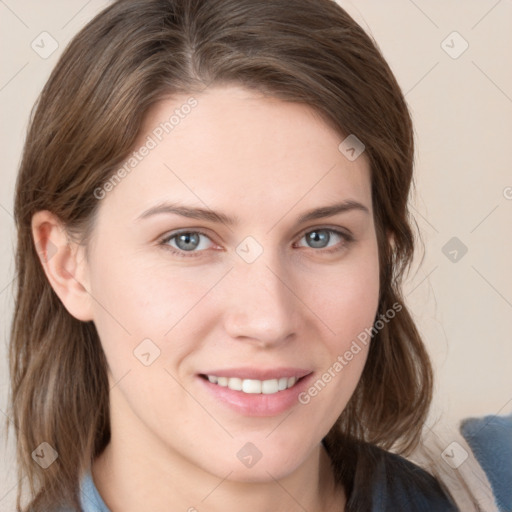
(257, 404)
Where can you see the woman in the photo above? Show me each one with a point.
(212, 232)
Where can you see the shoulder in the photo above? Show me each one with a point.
(379, 481)
(90, 499)
(400, 483)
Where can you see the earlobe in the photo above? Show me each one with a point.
(63, 263)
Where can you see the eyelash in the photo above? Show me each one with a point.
(347, 240)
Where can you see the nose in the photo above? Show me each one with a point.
(263, 306)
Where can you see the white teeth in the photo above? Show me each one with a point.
(291, 381)
(235, 384)
(253, 386)
(268, 387)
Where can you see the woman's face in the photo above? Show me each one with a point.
(253, 302)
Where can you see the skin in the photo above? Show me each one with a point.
(267, 162)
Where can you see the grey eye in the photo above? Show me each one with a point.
(319, 238)
(187, 241)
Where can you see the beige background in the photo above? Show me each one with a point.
(462, 108)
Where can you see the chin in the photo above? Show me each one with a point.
(263, 472)
(260, 461)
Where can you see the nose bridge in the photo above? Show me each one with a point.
(263, 308)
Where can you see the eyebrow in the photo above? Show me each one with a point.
(219, 217)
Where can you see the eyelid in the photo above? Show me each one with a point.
(337, 229)
(172, 234)
(344, 233)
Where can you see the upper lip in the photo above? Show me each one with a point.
(259, 373)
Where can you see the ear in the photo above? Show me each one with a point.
(64, 264)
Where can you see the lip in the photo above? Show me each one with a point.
(259, 373)
(257, 404)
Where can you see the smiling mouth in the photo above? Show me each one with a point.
(254, 386)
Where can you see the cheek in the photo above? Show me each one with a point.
(133, 299)
(143, 306)
(347, 304)
(347, 300)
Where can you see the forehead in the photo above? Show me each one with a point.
(240, 151)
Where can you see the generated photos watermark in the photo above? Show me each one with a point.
(152, 141)
(343, 360)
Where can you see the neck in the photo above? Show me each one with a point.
(134, 475)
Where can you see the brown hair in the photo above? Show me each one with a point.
(131, 55)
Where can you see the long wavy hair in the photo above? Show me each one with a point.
(84, 125)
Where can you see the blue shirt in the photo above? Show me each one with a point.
(90, 498)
